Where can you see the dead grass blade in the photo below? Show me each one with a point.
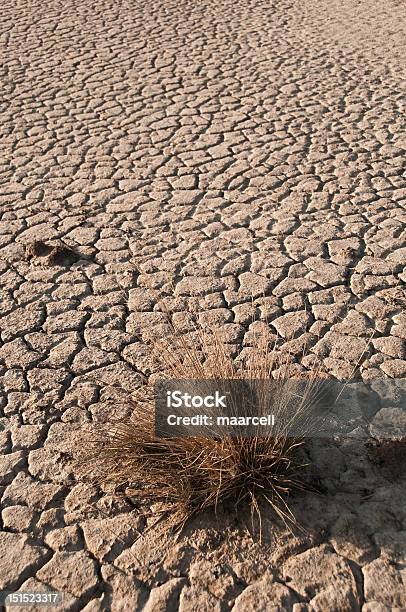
(191, 474)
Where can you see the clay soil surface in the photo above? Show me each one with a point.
(196, 155)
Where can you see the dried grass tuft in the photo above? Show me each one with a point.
(187, 475)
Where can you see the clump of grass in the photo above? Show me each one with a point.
(187, 475)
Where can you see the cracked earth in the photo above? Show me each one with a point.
(188, 157)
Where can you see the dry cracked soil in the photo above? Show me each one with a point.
(191, 156)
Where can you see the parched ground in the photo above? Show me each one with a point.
(192, 155)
